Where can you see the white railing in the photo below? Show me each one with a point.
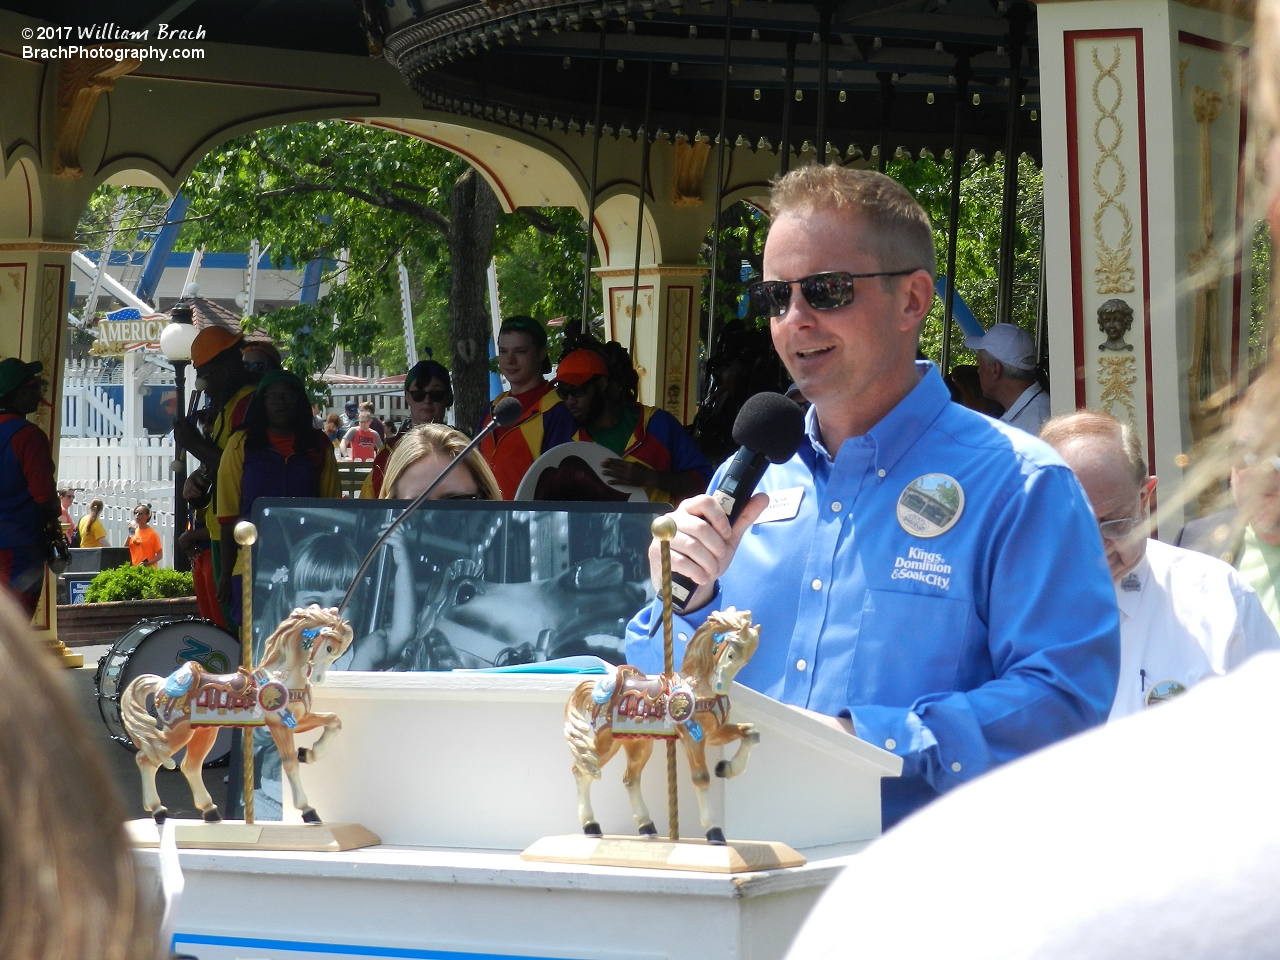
(89, 411)
(119, 497)
(99, 459)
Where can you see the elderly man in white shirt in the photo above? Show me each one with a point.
(1184, 616)
(1007, 373)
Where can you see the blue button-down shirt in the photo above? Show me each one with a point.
(959, 651)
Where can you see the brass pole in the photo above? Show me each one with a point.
(664, 528)
(246, 535)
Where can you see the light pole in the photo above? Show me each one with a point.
(175, 344)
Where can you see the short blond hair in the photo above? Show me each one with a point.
(902, 231)
(427, 440)
(1060, 430)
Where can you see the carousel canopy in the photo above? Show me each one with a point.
(867, 72)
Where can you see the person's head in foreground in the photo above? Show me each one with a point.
(428, 392)
(522, 353)
(142, 514)
(1106, 457)
(848, 280)
(20, 386)
(69, 885)
(422, 455)
(582, 382)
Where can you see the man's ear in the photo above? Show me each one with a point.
(917, 298)
(1148, 489)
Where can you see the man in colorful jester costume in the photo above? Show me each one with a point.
(931, 580)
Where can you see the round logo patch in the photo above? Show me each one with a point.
(680, 706)
(273, 696)
(930, 505)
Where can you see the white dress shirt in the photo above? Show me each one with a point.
(1184, 616)
(1029, 411)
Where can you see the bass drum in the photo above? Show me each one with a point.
(160, 647)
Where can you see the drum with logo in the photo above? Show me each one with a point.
(160, 647)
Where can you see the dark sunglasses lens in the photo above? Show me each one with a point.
(827, 291)
(436, 396)
(769, 298)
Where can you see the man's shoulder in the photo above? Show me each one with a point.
(1181, 565)
(994, 444)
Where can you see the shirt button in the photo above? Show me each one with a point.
(817, 584)
(880, 473)
(683, 636)
(890, 743)
(955, 768)
(835, 507)
(801, 665)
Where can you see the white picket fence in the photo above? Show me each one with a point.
(88, 411)
(100, 459)
(119, 497)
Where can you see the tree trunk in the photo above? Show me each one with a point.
(474, 211)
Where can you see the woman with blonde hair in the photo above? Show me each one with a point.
(69, 885)
(422, 454)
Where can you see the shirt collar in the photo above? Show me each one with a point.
(900, 428)
(1024, 398)
(1128, 600)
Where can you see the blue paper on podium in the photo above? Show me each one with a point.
(584, 664)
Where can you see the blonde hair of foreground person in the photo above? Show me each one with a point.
(68, 882)
(431, 439)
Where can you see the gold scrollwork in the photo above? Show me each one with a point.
(1114, 274)
(1116, 377)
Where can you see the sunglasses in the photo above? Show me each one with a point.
(566, 391)
(435, 396)
(822, 291)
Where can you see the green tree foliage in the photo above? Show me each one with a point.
(138, 583)
(355, 198)
(1261, 323)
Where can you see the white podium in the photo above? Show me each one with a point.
(458, 772)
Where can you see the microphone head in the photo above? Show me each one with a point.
(508, 412)
(771, 424)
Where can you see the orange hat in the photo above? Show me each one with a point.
(210, 342)
(578, 367)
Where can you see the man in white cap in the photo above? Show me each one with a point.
(1006, 370)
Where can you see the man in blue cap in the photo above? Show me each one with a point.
(928, 579)
(28, 497)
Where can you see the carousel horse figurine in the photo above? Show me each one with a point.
(632, 710)
(190, 705)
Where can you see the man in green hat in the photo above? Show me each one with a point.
(28, 497)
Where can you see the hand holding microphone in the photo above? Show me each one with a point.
(769, 429)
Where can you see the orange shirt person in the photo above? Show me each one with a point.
(145, 548)
(522, 358)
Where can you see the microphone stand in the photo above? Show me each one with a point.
(494, 423)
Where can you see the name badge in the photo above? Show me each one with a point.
(783, 505)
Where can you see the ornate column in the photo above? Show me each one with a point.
(1145, 128)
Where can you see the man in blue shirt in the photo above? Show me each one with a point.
(931, 579)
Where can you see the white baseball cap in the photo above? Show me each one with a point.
(1008, 344)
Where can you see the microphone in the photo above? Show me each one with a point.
(505, 414)
(769, 429)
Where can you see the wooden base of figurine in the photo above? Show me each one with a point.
(238, 835)
(736, 856)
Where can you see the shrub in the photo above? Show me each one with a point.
(139, 583)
